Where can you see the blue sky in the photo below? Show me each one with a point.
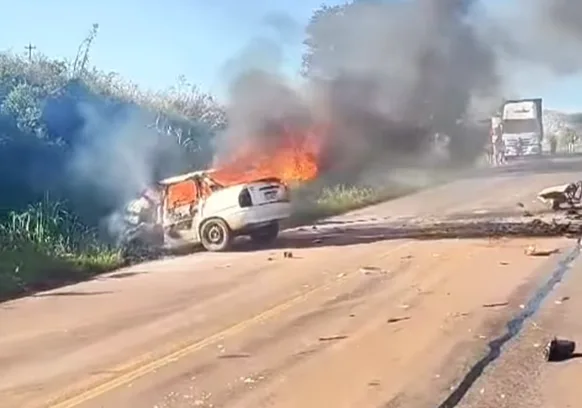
(153, 42)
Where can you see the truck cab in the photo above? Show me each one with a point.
(522, 127)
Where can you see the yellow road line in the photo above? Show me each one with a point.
(152, 366)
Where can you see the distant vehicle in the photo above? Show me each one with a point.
(522, 127)
(195, 208)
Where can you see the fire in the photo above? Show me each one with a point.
(294, 159)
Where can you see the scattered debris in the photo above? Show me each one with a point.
(503, 263)
(520, 205)
(332, 338)
(368, 270)
(559, 350)
(532, 251)
(234, 356)
(397, 319)
(458, 314)
(562, 300)
(527, 214)
(287, 254)
(374, 383)
(498, 304)
(317, 241)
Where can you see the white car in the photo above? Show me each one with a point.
(195, 208)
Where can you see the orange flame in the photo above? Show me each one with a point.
(294, 159)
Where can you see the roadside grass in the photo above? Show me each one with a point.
(311, 204)
(45, 247)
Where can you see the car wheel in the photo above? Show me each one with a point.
(215, 235)
(265, 235)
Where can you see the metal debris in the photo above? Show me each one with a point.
(559, 350)
(562, 300)
(498, 304)
(332, 338)
(368, 270)
(397, 319)
(532, 251)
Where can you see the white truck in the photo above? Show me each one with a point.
(522, 127)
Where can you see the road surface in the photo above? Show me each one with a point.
(369, 311)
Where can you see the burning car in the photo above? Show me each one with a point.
(196, 208)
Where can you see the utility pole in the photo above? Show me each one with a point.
(29, 48)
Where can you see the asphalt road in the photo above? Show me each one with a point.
(382, 307)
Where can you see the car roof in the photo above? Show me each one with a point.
(183, 177)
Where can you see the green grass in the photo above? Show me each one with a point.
(311, 204)
(45, 246)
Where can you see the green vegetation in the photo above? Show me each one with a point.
(46, 245)
(43, 126)
(313, 204)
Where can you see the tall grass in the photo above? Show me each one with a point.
(312, 203)
(46, 245)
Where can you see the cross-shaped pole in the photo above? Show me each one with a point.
(29, 48)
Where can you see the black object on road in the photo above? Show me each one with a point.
(559, 350)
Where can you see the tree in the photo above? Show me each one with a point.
(318, 44)
(570, 138)
(82, 58)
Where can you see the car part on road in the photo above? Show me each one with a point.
(559, 349)
(570, 194)
(332, 338)
(498, 304)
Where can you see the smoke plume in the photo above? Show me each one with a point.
(388, 75)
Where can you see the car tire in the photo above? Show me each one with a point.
(215, 235)
(266, 234)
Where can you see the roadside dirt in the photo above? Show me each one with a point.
(358, 316)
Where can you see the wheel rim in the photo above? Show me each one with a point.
(215, 234)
